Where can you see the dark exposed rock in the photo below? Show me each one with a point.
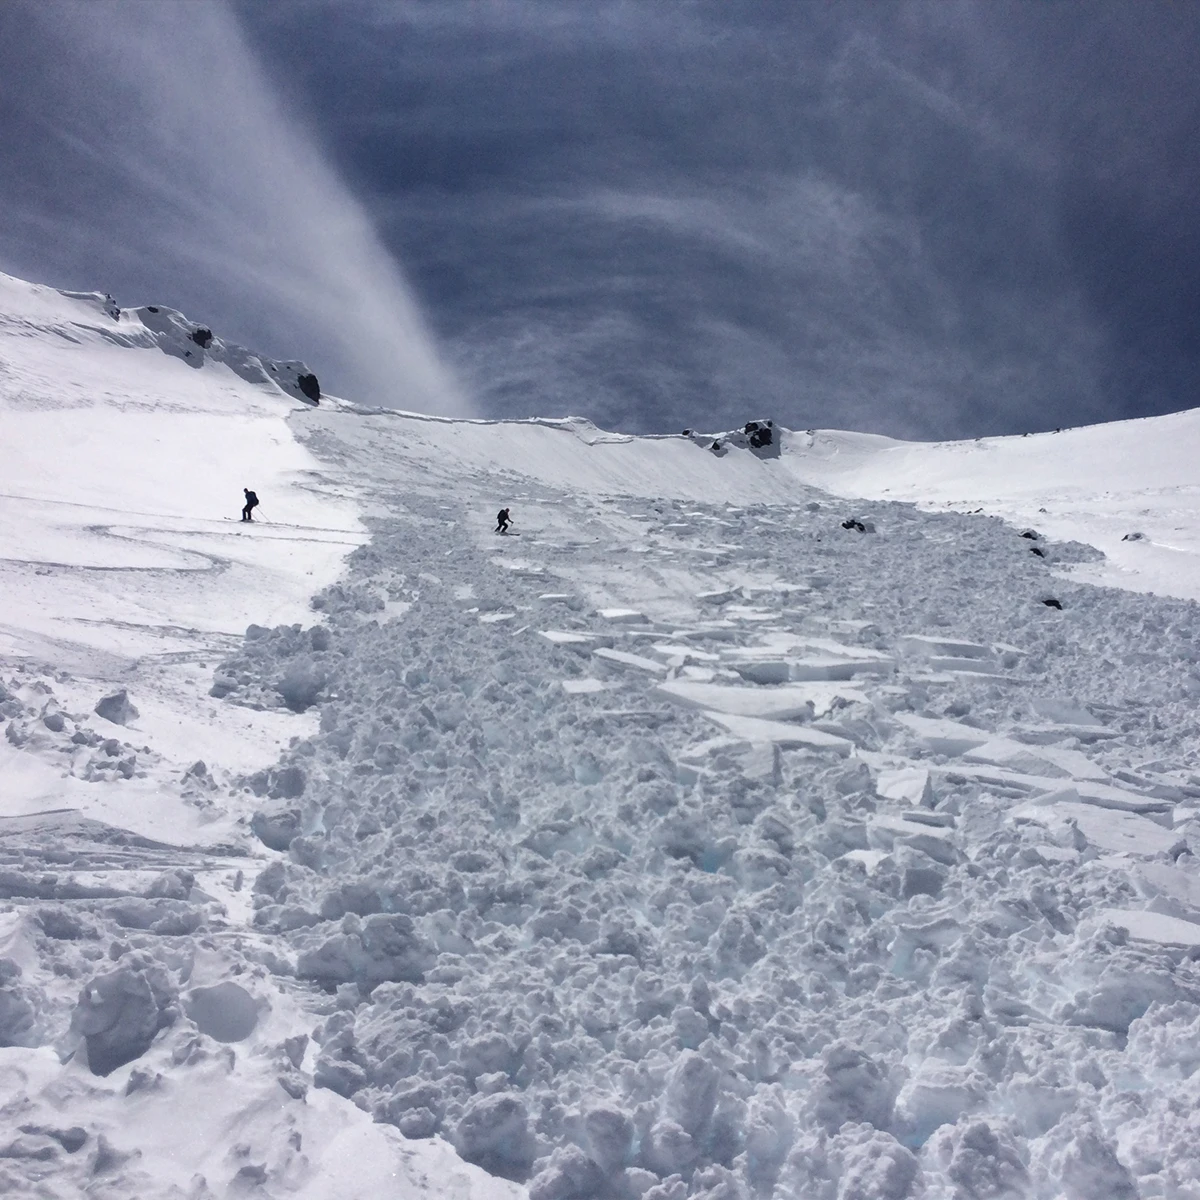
(202, 337)
(310, 387)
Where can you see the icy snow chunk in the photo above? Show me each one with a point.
(1062, 712)
(981, 1162)
(609, 1134)
(623, 658)
(1106, 829)
(753, 729)
(943, 736)
(910, 785)
(922, 646)
(764, 670)
(119, 1013)
(301, 684)
(1152, 927)
(622, 616)
(494, 1134)
(855, 1088)
(777, 704)
(585, 687)
(938, 1094)
(225, 1012)
(569, 639)
(117, 708)
(1162, 880)
(387, 948)
(870, 859)
(831, 667)
(1046, 760)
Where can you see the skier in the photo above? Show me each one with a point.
(251, 504)
(503, 520)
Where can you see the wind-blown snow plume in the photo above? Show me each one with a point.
(200, 166)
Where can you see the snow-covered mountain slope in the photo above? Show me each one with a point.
(685, 842)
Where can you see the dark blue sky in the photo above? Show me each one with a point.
(927, 219)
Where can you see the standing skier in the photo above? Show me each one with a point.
(503, 520)
(250, 506)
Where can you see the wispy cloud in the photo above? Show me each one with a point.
(188, 157)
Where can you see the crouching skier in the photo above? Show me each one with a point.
(250, 505)
(503, 520)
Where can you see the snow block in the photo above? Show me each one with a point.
(387, 948)
(117, 708)
(225, 1012)
(119, 1013)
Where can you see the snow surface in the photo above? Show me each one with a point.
(690, 844)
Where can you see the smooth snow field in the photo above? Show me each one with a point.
(684, 842)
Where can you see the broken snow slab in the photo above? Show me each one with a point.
(941, 735)
(586, 687)
(1061, 719)
(1045, 790)
(785, 703)
(684, 652)
(719, 596)
(832, 667)
(722, 744)
(1053, 761)
(870, 859)
(936, 841)
(909, 785)
(1182, 887)
(781, 734)
(622, 616)
(1153, 927)
(919, 645)
(623, 658)
(568, 637)
(1105, 829)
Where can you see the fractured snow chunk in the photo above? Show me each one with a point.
(702, 751)
(1106, 829)
(908, 784)
(1159, 879)
(585, 687)
(625, 659)
(117, 708)
(942, 736)
(1152, 926)
(1047, 790)
(869, 858)
(781, 704)
(1047, 760)
(831, 667)
(681, 651)
(765, 671)
(565, 637)
(919, 645)
(622, 616)
(970, 666)
(1062, 712)
(781, 734)
(225, 1012)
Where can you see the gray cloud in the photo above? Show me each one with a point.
(930, 218)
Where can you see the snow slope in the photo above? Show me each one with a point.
(683, 843)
